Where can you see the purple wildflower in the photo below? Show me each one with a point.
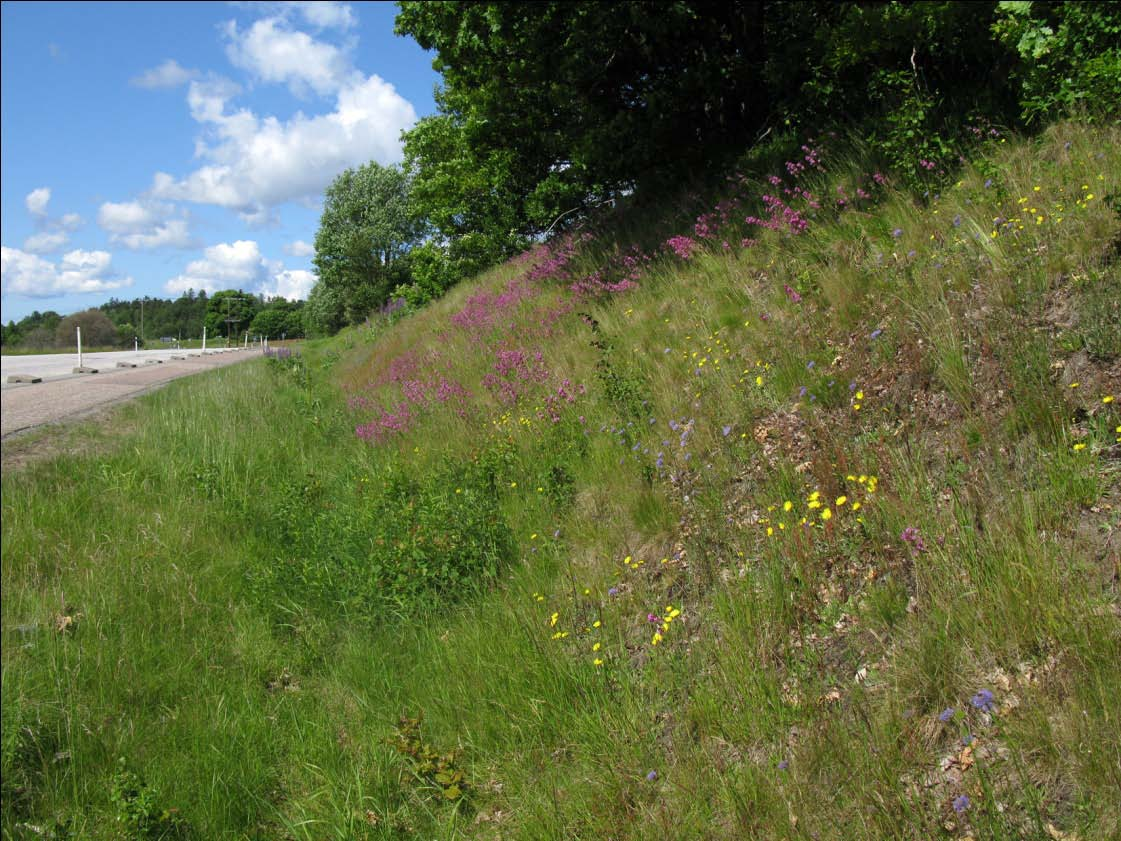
(875, 334)
(946, 715)
(782, 766)
(650, 777)
(983, 701)
(792, 294)
(897, 233)
(614, 591)
(726, 430)
(961, 803)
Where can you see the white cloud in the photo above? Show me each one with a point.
(240, 265)
(37, 200)
(293, 284)
(69, 222)
(144, 225)
(325, 15)
(272, 52)
(223, 266)
(45, 242)
(257, 162)
(78, 271)
(319, 13)
(170, 74)
(299, 248)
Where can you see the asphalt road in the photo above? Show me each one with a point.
(63, 394)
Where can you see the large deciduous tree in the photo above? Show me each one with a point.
(366, 231)
(97, 329)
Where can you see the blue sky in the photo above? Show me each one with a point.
(150, 148)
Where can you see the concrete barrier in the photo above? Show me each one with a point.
(85, 369)
(24, 378)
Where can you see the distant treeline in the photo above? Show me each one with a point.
(151, 320)
(550, 112)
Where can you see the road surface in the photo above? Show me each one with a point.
(63, 394)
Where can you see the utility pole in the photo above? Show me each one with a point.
(141, 319)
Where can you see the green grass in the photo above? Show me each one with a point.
(214, 624)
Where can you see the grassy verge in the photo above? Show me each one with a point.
(809, 535)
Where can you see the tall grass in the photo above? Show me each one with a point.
(629, 613)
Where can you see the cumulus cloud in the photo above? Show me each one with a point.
(37, 201)
(145, 225)
(257, 162)
(293, 284)
(273, 52)
(45, 242)
(235, 265)
(299, 248)
(317, 13)
(78, 271)
(240, 265)
(170, 74)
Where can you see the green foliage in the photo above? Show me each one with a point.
(392, 542)
(139, 815)
(1069, 56)
(368, 226)
(230, 312)
(97, 329)
(279, 319)
(433, 768)
(324, 314)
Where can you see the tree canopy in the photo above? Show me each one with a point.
(367, 228)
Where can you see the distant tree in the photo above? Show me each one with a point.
(367, 228)
(230, 312)
(324, 314)
(97, 329)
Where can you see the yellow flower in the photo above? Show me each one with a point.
(597, 662)
(841, 500)
(1075, 385)
(1108, 398)
(856, 506)
(814, 504)
(553, 620)
(513, 484)
(596, 624)
(812, 497)
(759, 380)
(540, 598)
(786, 506)
(826, 514)
(533, 536)
(770, 532)
(1078, 447)
(657, 638)
(597, 647)
(860, 395)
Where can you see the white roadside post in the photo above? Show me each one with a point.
(204, 338)
(82, 369)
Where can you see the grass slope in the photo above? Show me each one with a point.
(812, 534)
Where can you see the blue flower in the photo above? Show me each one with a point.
(726, 430)
(961, 803)
(946, 714)
(653, 775)
(897, 233)
(782, 766)
(983, 701)
(875, 334)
